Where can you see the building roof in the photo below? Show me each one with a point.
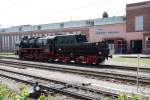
(69, 24)
(138, 4)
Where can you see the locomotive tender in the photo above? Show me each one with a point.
(64, 48)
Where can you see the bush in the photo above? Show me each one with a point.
(123, 96)
(8, 94)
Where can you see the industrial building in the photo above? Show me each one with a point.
(125, 34)
(105, 27)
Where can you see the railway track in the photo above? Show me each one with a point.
(89, 73)
(71, 89)
(132, 68)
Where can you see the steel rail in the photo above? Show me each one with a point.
(116, 76)
(65, 87)
(133, 68)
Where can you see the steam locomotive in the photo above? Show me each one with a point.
(63, 48)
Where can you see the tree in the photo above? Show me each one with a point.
(20, 28)
(105, 15)
(39, 27)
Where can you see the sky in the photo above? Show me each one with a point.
(33, 12)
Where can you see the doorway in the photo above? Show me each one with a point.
(136, 46)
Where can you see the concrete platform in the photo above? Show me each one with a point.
(132, 55)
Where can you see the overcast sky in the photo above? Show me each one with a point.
(22, 12)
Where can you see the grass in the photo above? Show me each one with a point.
(133, 61)
(7, 53)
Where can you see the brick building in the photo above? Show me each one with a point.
(137, 23)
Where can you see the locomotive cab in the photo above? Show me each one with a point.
(76, 48)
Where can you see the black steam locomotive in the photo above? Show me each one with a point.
(63, 48)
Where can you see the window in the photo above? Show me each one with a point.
(91, 23)
(81, 38)
(61, 25)
(138, 23)
(100, 31)
(59, 40)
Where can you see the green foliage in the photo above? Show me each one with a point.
(8, 94)
(50, 97)
(142, 97)
(134, 97)
(42, 97)
(23, 94)
(4, 92)
(105, 15)
(122, 96)
(106, 98)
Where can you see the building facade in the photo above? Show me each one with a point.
(125, 34)
(146, 43)
(137, 23)
(113, 26)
